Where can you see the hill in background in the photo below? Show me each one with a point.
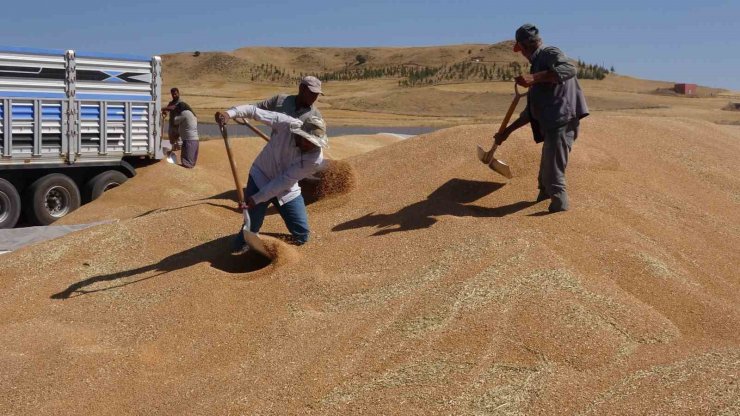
(430, 86)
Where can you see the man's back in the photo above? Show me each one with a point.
(187, 125)
(553, 105)
(287, 104)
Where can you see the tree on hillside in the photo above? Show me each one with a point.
(361, 59)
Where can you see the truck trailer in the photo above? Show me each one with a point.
(72, 125)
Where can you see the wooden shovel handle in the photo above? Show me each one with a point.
(232, 162)
(244, 122)
(512, 107)
(161, 122)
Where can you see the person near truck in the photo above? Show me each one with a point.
(173, 108)
(187, 127)
(555, 106)
(294, 152)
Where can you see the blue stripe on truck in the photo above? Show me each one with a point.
(51, 112)
(39, 51)
(82, 96)
(31, 94)
(113, 97)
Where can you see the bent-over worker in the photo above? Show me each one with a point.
(294, 152)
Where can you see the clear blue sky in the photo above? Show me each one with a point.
(688, 41)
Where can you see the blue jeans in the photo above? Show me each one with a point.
(293, 213)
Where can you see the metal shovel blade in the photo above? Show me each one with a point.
(172, 158)
(252, 240)
(484, 156)
(493, 163)
(501, 167)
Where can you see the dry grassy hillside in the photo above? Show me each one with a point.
(216, 80)
(436, 287)
(183, 66)
(323, 59)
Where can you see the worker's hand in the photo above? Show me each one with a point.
(525, 80)
(501, 137)
(222, 117)
(248, 204)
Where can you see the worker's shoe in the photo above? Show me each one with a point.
(542, 195)
(240, 250)
(559, 202)
(239, 246)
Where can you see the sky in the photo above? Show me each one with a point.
(677, 41)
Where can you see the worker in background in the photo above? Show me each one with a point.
(555, 106)
(173, 108)
(187, 127)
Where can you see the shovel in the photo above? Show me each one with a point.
(171, 157)
(257, 131)
(487, 157)
(252, 240)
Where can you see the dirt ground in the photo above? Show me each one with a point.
(435, 287)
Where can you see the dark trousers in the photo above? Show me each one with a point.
(189, 155)
(555, 151)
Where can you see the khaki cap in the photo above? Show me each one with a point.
(313, 84)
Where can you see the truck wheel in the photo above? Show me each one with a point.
(102, 182)
(10, 204)
(49, 198)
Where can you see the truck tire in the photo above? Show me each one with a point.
(101, 183)
(49, 198)
(10, 204)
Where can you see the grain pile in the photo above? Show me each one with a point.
(433, 288)
(337, 178)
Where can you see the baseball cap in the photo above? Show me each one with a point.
(313, 129)
(524, 33)
(313, 84)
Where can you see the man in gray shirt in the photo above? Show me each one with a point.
(187, 126)
(300, 106)
(555, 106)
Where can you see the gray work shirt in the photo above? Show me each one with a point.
(553, 105)
(286, 104)
(187, 125)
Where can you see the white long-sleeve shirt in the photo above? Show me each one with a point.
(281, 163)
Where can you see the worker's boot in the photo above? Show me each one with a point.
(239, 246)
(239, 251)
(559, 202)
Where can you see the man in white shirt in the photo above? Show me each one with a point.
(294, 152)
